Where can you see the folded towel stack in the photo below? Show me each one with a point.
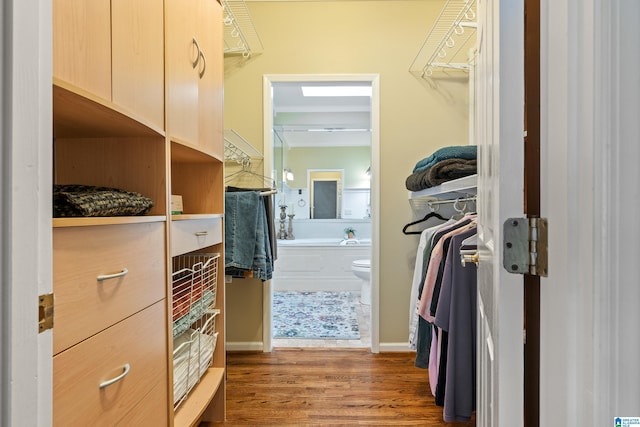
(445, 164)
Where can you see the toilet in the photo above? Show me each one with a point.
(362, 269)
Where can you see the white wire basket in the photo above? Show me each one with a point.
(192, 355)
(194, 286)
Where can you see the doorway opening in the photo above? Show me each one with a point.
(325, 132)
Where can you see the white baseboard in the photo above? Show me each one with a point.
(389, 347)
(244, 346)
(394, 347)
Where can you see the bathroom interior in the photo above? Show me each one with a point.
(322, 170)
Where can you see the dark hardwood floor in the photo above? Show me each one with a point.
(329, 387)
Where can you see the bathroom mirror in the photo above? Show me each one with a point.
(319, 134)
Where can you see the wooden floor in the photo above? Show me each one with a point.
(329, 387)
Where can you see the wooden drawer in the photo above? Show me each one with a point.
(140, 342)
(153, 410)
(85, 304)
(194, 234)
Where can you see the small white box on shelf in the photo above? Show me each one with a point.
(176, 204)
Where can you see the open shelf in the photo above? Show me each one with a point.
(101, 220)
(80, 114)
(460, 187)
(199, 398)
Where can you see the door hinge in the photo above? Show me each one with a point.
(525, 246)
(45, 310)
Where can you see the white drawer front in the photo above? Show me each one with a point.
(194, 234)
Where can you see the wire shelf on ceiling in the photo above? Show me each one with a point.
(451, 41)
(240, 35)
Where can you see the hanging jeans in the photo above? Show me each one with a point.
(246, 236)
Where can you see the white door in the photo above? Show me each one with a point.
(25, 203)
(499, 135)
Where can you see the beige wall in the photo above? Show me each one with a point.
(416, 118)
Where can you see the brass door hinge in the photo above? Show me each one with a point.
(525, 246)
(45, 309)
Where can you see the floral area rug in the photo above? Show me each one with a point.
(315, 315)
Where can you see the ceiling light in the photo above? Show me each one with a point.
(336, 90)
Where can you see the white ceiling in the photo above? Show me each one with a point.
(328, 121)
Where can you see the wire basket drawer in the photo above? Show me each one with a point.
(194, 285)
(192, 355)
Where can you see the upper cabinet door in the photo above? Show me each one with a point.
(138, 58)
(82, 44)
(183, 62)
(211, 102)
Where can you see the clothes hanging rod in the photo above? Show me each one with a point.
(449, 201)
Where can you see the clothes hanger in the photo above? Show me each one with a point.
(459, 208)
(428, 216)
(265, 181)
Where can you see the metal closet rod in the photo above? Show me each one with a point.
(448, 201)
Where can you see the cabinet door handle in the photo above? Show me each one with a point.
(195, 63)
(201, 233)
(204, 64)
(102, 277)
(124, 373)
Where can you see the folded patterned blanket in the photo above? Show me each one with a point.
(442, 171)
(467, 152)
(86, 200)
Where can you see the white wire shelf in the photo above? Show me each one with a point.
(449, 45)
(240, 35)
(237, 149)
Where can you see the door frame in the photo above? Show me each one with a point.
(374, 80)
(26, 363)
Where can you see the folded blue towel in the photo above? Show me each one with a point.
(467, 152)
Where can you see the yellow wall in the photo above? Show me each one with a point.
(416, 118)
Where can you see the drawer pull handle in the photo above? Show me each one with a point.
(124, 373)
(202, 233)
(102, 277)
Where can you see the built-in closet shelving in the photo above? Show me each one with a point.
(460, 188)
(240, 35)
(447, 46)
(137, 106)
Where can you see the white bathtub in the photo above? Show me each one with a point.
(324, 242)
(318, 264)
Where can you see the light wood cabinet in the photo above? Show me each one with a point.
(183, 57)
(210, 98)
(82, 43)
(114, 50)
(194, 74)
(109, 109)
(138, 57)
